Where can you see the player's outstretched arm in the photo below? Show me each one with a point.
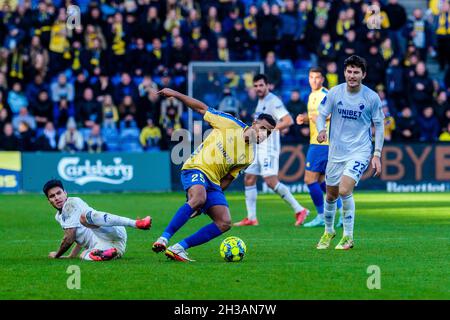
(192, 103)
(68, 240)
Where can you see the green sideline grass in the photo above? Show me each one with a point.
(405, 235)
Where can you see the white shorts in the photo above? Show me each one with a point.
(265, 164)
(353, 168)
(106, 238)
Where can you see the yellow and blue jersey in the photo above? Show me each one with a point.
(314, 100)
(224, 150)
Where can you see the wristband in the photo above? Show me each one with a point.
(377, 153)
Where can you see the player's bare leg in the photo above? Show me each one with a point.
(283, 191)
(251, 194)
(346, 193)
(221, 223)
(196, 200)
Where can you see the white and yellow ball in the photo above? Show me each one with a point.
(232, 249)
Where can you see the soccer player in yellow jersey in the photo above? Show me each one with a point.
(211, 168)
(317, 157)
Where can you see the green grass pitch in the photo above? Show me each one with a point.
(405, 235)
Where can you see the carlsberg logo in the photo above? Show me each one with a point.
(82, 173)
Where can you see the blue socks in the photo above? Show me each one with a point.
(317, 196)
(203, 235)
(179, 219)
(323, 186)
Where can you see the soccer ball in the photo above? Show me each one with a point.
(232, 249)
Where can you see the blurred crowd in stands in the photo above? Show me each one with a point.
(92, 86)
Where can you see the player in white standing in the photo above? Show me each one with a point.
(101, 234)
(353, 108)
(267, 156)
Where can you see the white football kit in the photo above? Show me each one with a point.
(267, 153)
(100, 238)
(350, 131)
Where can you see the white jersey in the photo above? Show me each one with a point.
(69, 217)
(272, 105)
(352, 115)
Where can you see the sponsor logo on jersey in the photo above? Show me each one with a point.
(70, 169)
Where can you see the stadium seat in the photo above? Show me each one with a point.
(285, 65)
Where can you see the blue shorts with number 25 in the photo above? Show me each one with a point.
(214, 194)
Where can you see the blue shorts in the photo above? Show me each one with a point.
(214, 193)
(317, 158)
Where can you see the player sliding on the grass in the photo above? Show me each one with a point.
(210, 169)
(101, 234)
(353, 108)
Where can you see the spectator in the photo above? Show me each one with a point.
(9, 141)
(149, 105)
(268, 26)
(179, 55)
(110, 114)
(171, 110)
(239, 42)
(127, 109)
(202, 52)
(223, 53)
(25, 117)
(103, 87)
(442, 33)
(4, 119)
(139, 61)
(126, 87)
(150, 136)
(295, 105)
(397, 19)
(375, 68)
(420, 32)
(407, 126)
(429, 125)
(290, 32)
(17, 99)
(421, 88)
(229, 103)
(151, 25)
(80, 85)
(250, 101)
(71, 140)
(395, 84)
(62, 111)
(389, 124)
(89, 110)
(34, 88)
(26, 137)
(48, 140)
(272, 72)
(332, 77)
(94, 141)
(250, 21)
(62, 89)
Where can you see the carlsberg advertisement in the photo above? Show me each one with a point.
(82, 172)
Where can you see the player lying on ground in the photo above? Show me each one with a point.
(101, 234)
(317, 156)
(353, 108)
(210, 169)
(267, 157)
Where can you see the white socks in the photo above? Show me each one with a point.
(103, 219)
(287, 196)
(251, 193)
(348, 205)
(329, 213)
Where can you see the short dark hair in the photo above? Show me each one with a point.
(318, 70)
(356, 61)
(52, 184)
(260, 76)
(268, 118)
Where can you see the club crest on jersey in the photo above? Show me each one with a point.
(361, 107)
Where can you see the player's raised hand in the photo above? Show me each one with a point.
(376, 164)
(322, 136)
(167, 92)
